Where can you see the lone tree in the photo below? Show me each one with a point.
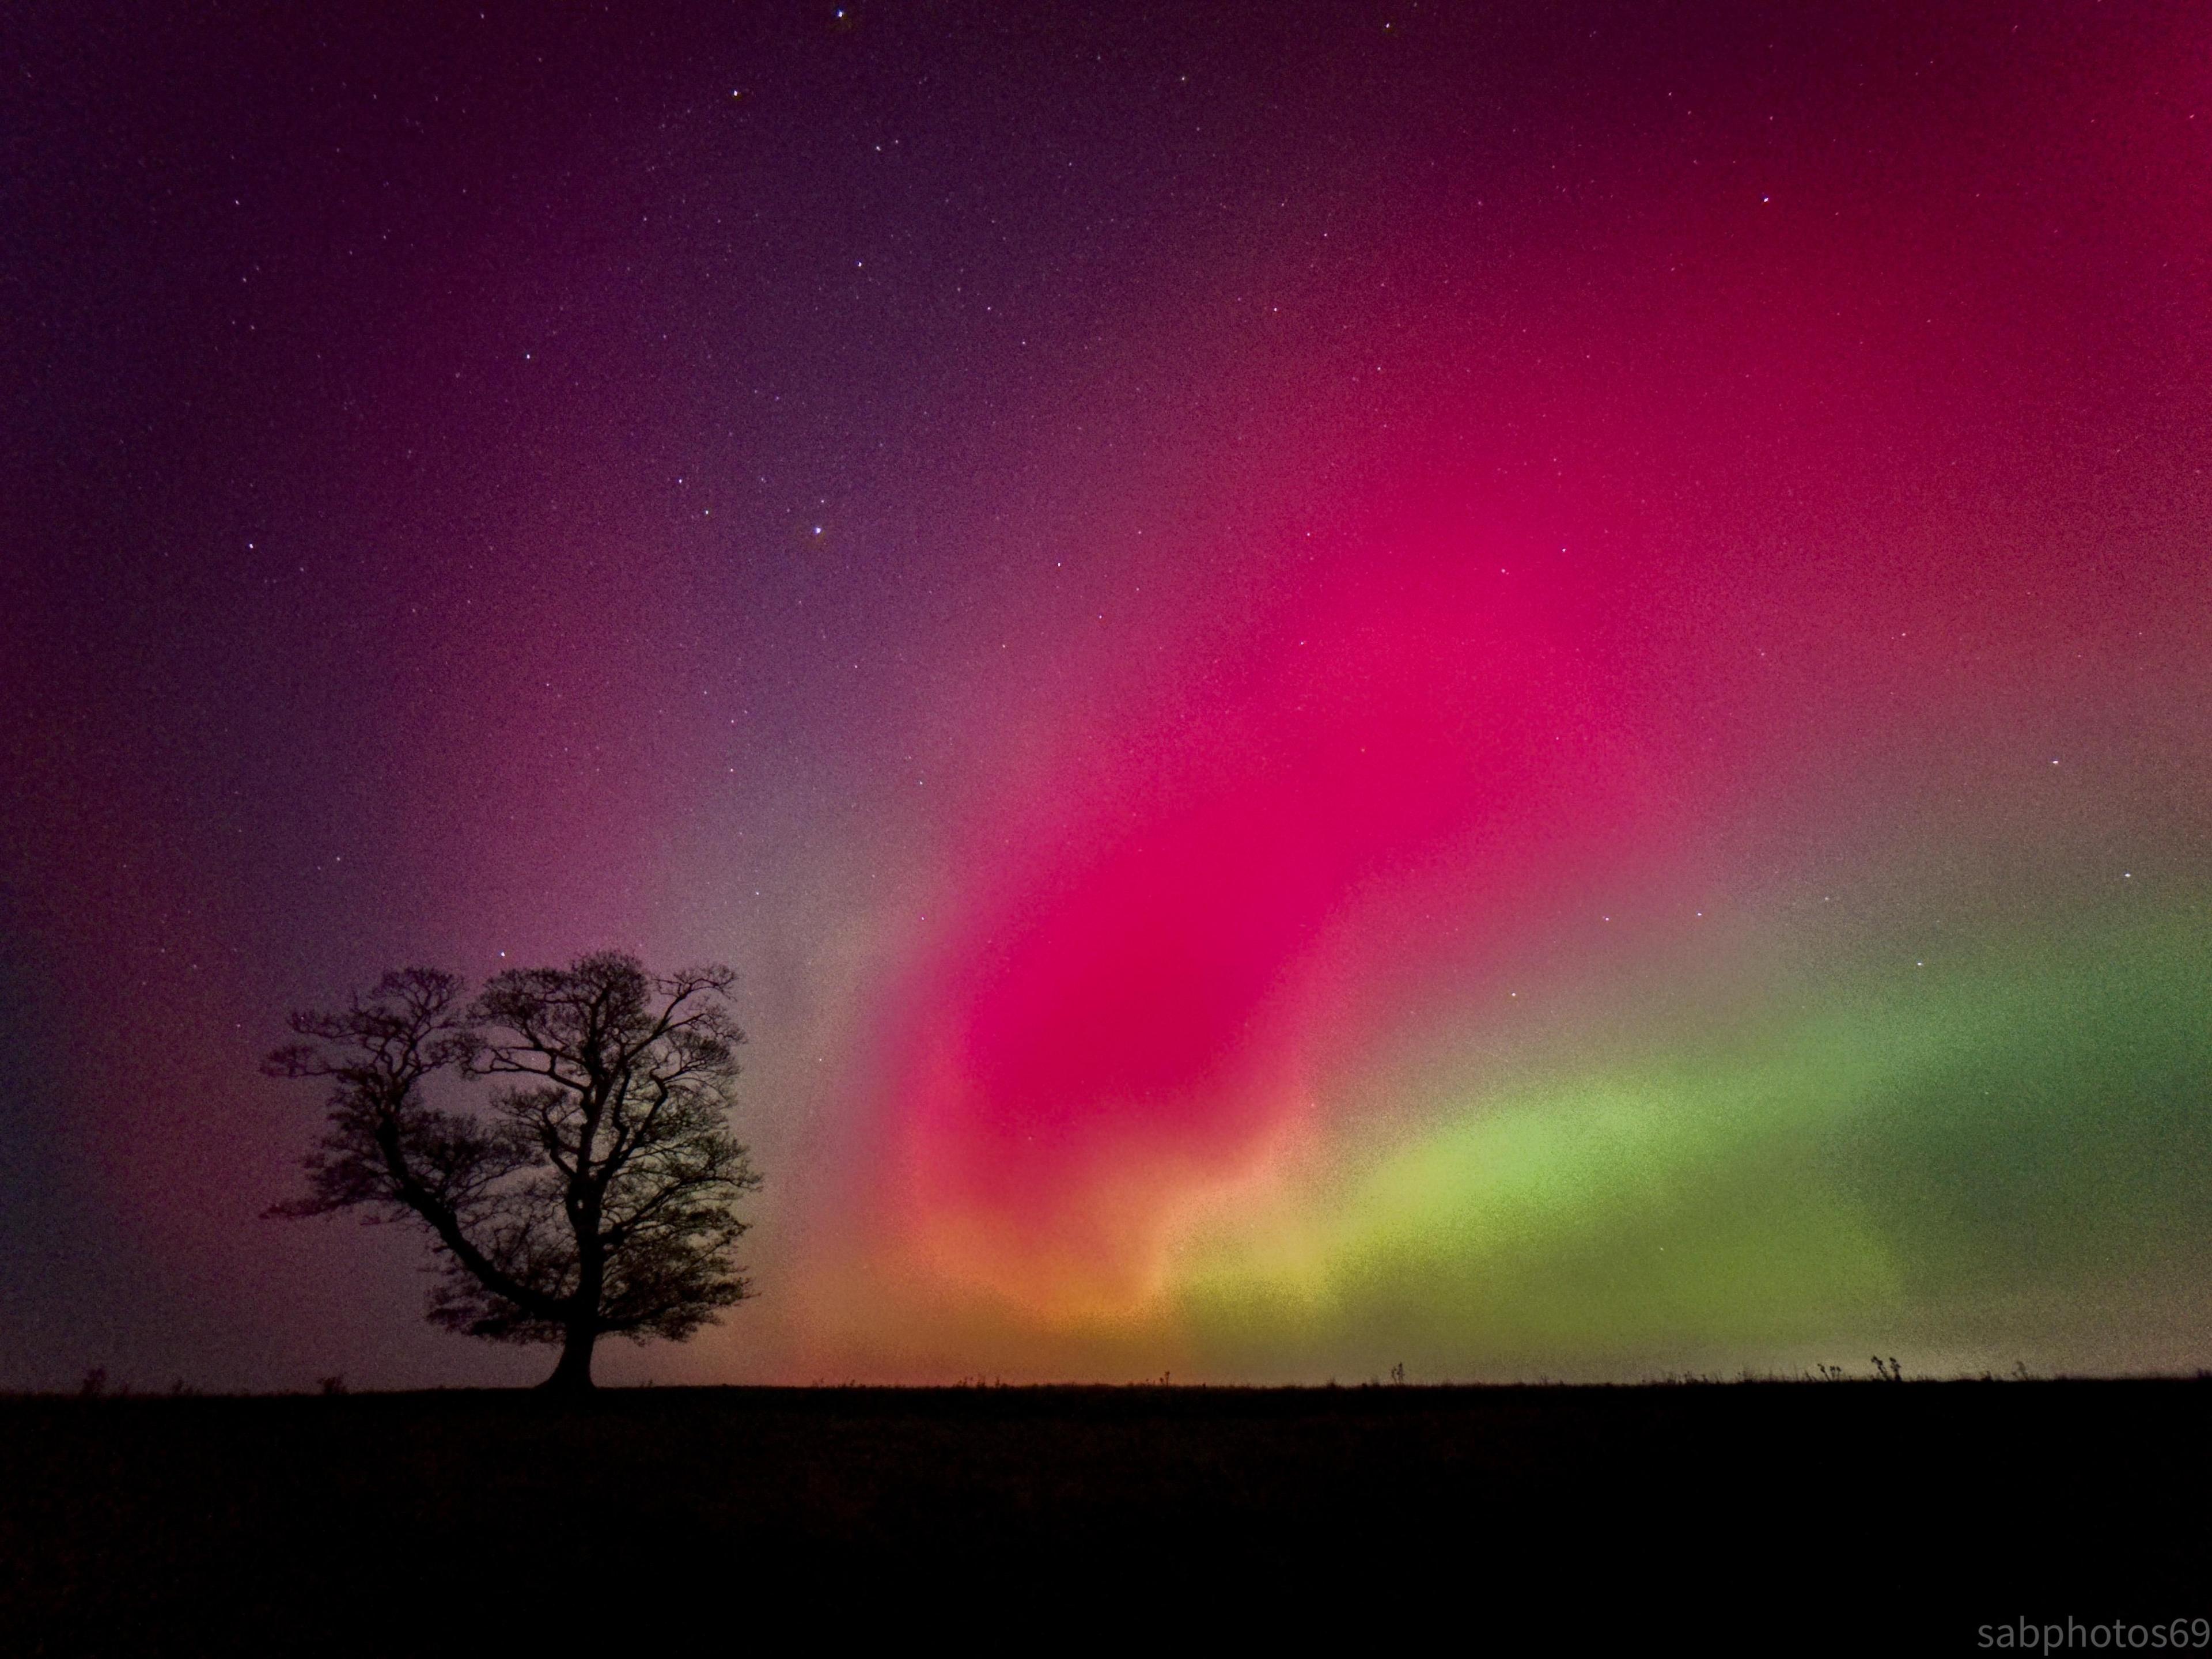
(597, 1194)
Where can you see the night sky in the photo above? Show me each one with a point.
(1526, 690)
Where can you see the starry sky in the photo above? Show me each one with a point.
(1523, 690)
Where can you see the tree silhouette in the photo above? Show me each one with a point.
(596, 1195)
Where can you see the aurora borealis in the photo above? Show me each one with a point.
(1527, 691)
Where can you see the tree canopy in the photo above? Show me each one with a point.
(595, 1196)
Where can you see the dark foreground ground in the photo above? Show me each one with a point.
(1867, 1517)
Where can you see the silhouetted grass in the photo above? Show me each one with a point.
(369, 1522)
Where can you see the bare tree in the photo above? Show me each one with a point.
(596, 1195)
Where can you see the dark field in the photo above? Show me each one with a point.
(1880, 1517)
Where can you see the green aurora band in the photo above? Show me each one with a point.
(1890, 1152)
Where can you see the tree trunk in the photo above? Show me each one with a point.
(573, 1374)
